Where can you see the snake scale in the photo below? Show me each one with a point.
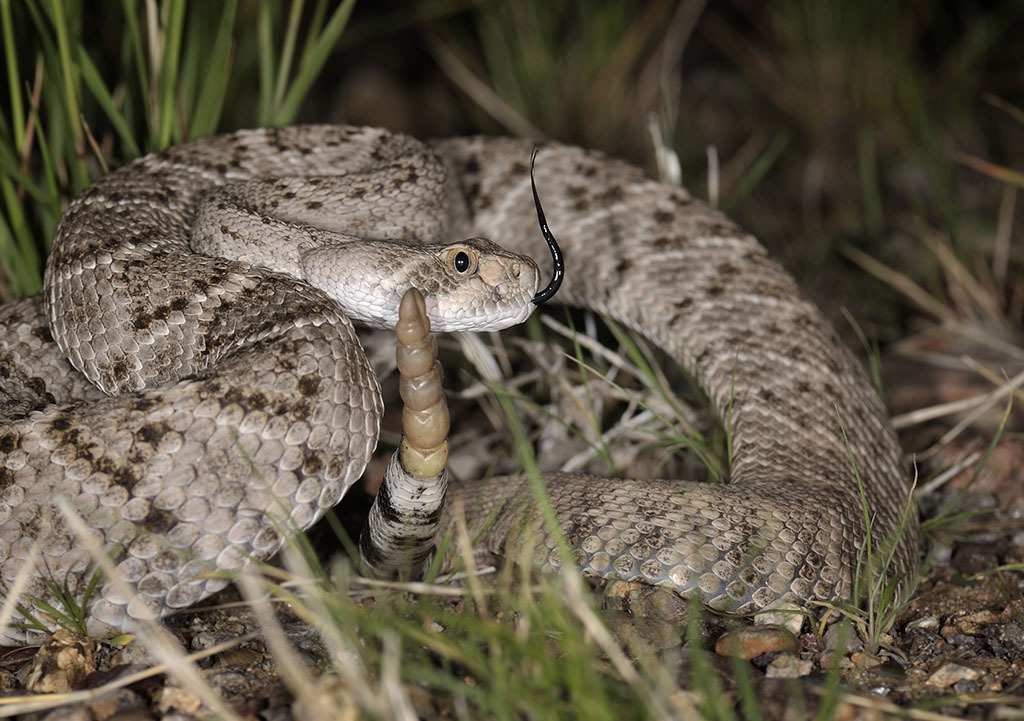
(233, 395)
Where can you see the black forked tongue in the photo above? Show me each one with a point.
(556, 252)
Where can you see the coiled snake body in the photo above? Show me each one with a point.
(233, 396)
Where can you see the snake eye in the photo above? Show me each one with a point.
(462, 261)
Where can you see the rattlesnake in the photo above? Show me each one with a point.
(240, 396)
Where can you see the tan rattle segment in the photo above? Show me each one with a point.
(425, 421)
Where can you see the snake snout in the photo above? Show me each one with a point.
(498, 298)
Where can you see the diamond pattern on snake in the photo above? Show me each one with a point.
(190, 371)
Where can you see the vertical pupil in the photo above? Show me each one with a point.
(461, 262)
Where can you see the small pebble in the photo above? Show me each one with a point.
(751, 641)
(68, 713)
(950, 673)
(172, 698)
(786, 665)
(782, 613)
(839, 633)
(925, 623)
(135, 654)
(1008, 639)
(966, 641)
(60, 663)
(967, 686)
(123, 704)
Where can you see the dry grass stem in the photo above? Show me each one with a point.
(902, 283)
(13, 594)
(951, 472)
(462, 537)
(983, 401)
(1003, 235)
(480, 356)
(481, 93)
(292, 670)
(597, 348)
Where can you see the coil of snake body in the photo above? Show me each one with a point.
(184, 403)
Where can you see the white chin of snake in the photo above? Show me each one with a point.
(448, 318)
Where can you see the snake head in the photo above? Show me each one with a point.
(480, 286)
(473, 284)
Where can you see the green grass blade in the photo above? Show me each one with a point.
(168, 84)
(536, 481)
(62, 619)
(13, 82)
(136, 56)
(264, 31)
(11, 170)
(13, 268)
(19, 247)
(50, 205)
(284, 67)
(874, 355)
(206, 116)
(69, 81)
(765, 162)
(93, 81)
(871, 193)
(948, 514)
(314, 27)
(595, 424)
(312, 63)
